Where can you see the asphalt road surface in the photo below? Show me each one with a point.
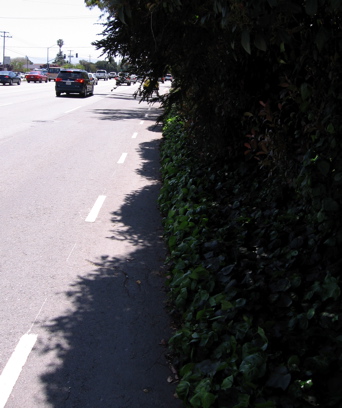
(82, 310)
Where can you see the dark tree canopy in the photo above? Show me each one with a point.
(258, 91)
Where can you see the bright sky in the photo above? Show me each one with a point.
(36, 25)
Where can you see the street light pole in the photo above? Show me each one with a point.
(47, 56)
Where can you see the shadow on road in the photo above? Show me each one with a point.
(110, 344)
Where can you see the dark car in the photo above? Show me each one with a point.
(9, 77)
(123, 78)
(71, 81)
(36, 76)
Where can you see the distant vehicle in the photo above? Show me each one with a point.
(52, 73)
(102, 74)
(168, 77)
(112, 75)
(123, 78)
(9, 77)
(36, 76)
(134, 78)
(72, 81)
(93, 77)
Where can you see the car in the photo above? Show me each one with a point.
(112, 75)
(71, 81)
(52, 73)
(123, 78)
(134, 78)
(93, 77)
(36, 76)
(9, 77)
(102, 74)
(168, 77)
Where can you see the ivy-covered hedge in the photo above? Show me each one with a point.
(254, 283)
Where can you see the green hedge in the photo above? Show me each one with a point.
(255, 290)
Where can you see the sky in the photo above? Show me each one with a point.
(32, 28)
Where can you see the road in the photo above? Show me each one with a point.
(82, 311)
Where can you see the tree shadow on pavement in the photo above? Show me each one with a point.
(110, 345)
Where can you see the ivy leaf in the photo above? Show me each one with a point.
(246, 41)
(227, 383)
(183, 389)
(208, 399)
(260, 42)
(279, 378)
(253, 366)
(330, 288)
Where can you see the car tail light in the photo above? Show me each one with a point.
(80, 80)
(58, 79)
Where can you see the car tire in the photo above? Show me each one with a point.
(19, 82)
(46, 81)
(84, 92)
(10, 82)
(28, 82)
(40, 82)
(58, 93)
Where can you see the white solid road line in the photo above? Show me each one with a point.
(135, 134)
(96, 209)
(122, 158)
(14, 366)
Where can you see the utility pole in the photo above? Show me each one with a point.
(70, 56)
(4, 35)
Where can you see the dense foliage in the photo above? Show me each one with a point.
(256, 292)
(252, 194)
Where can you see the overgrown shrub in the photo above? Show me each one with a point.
(255, 293)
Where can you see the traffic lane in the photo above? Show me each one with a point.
(19, 110)
(60, 271)
(50, 177)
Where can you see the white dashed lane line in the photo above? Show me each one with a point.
(14, 366)
(122, 158)
(71, 110)
(94, 212)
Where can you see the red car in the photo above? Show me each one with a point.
(36, 76)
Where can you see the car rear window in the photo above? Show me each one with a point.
(70, 75)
